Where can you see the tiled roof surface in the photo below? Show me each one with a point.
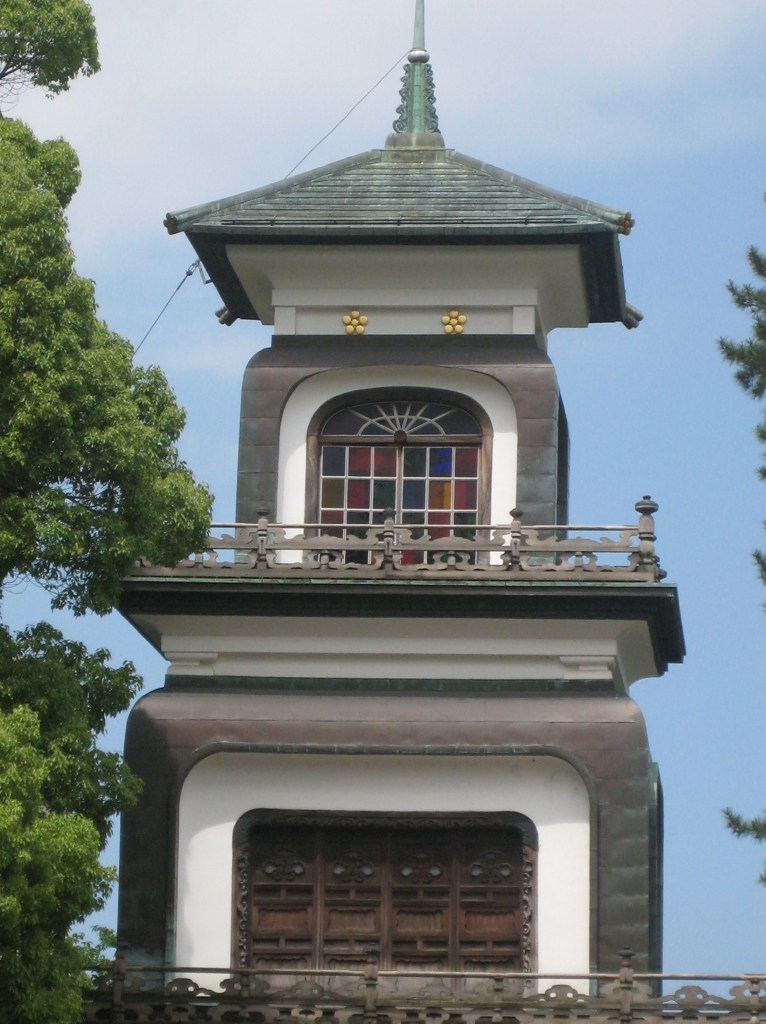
(417, 192)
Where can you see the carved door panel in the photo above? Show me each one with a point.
(427, 899)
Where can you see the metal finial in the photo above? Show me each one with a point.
(417, 111)
(419, 54)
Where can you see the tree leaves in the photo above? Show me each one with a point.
(90, 478)
(45, 43)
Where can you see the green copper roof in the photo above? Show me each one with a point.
(424, 195)
(413, 191)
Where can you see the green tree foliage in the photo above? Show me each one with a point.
(45, 43)
(752, 828)
(90, 480)
(58, 793)
(749, 357)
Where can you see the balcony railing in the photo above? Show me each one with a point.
(513, 551)
(373, 996)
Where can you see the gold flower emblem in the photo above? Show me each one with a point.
(355, 322)
(454, 321)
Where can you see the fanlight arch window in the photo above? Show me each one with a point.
(422, 460)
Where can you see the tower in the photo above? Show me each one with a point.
(396, 713)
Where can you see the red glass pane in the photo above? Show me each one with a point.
(358, 494)
(466, 461)
(385, 461)
(359, 461)
(331, 516)
(439, 518)
(465, 494)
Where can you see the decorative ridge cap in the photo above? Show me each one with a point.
(417, 125)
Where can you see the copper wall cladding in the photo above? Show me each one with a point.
(515, 362)
(604, 738)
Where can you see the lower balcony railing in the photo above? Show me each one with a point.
(514, 551)
(371, 996)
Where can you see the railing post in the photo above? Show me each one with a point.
(647, 558)
(119, 973)
(389, 536)
(625, 979)
(371, 984)
(754, 985)
(498, 991)
(261, 539)
(514, 554)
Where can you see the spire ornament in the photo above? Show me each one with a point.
(417, 123)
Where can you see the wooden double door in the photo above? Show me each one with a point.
(419, 899)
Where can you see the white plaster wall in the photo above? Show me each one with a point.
(314, 392)
(222, 787)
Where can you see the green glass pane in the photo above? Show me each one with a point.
(384, 494)
(414, 462)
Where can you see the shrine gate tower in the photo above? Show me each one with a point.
(396, 718)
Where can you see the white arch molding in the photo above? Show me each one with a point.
(311, 394)
(224, 786)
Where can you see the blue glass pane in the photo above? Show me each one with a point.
(413, 494)
(440, 461)
(333, 461)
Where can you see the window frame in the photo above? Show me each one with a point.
(315, 439)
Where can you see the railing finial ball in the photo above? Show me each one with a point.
(646, 507)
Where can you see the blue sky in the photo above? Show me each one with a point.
(659, 110)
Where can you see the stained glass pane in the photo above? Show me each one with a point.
(439, 518)
(381, 419)
(413, 518)
(384, 494)
(414, 462)
(359, 461)
(440, 461)
(358, 517)
(414, 494)
(439, 494)
(466, 461)
(385, 461)
(465, 494)
(332, 493)
(465, 518)
(358, 494)
(331, 516)
(333, 461)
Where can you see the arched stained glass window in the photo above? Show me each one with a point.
(391, 419)
(416, 459)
